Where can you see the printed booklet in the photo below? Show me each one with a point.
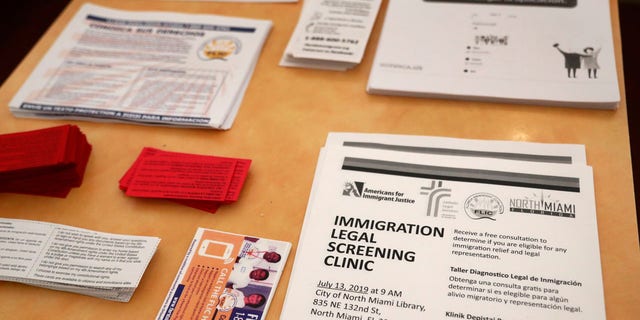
(543, 52)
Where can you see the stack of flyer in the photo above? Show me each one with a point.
(60, 257)
(46, 162)
(198, 181)
(331, 35)
(557, 53)
(145, 67)
(225, 276)
(409, 227)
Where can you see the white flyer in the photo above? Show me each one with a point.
(331, 34)
(146, 67)
(61, 257)
(548, 52)
(398, 235)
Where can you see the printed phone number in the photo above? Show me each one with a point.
(335, 40)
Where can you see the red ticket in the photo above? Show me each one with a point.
(199, 181)
(32, 149)
(45, 162)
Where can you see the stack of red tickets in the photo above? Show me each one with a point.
(198, 181)
(45, 162)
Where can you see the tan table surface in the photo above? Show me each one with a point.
(282, 124)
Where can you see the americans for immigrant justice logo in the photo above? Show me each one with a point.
(358, 189)
(354, 188)
(543, 204)
(483, 206)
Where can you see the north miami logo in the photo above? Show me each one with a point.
(435, 194)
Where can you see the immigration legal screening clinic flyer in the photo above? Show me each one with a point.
(393, 235)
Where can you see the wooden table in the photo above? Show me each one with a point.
(282, 124)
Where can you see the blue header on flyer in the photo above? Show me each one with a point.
(539, 3)
(174, 25)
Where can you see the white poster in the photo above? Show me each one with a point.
(552, 52)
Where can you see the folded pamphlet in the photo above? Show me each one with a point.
(225, 276)
(65, 258)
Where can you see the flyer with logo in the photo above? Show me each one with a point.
(152, 67)
(225, 276)
(399, 235)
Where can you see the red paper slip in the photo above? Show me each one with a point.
(186, 177)
(33, 148)
(46, 162)
(237, 182)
